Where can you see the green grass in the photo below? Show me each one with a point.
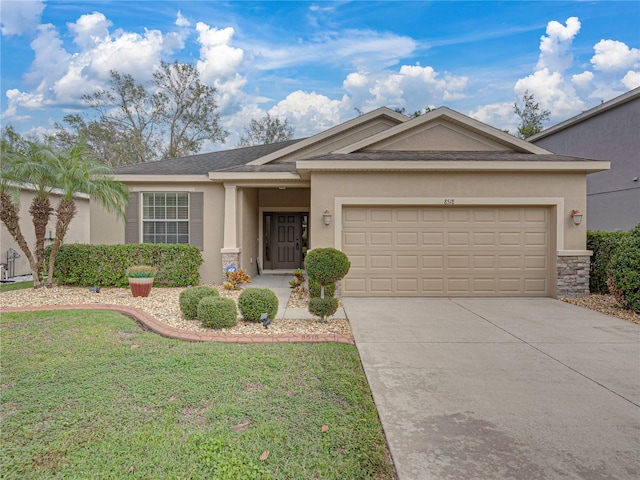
(88, 394)
(7, 287)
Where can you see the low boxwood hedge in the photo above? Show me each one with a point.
(190, 298)
(253, 302)
(85, 265)
(217, 312)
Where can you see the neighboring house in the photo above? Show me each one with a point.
(610, 131)
(78, 232)
(439, 205)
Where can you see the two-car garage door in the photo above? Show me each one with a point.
(447, 251)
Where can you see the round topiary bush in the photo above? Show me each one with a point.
(253, 302)
(314, 289)
(326, 265)
(217, 312)
(323, 307)
(190, 298)
(624, 273)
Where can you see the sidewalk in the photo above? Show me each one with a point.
(279, 283)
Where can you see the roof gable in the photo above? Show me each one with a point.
(337, 137)
(442, 130)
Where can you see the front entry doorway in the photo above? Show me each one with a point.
(285, 240)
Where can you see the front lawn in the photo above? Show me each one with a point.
(88, 394)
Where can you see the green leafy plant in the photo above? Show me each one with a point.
(253, 302)
(315, 289)
(141, 271)
(235, 279)
(297, 284)
(85, 265)
(624, 273)
(323, 307)
(217, 312)
(325, 266)
(190, 298)
(603, 244)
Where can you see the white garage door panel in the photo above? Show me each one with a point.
(483, 251)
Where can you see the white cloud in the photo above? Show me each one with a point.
(631, 80)
(181, 21)
(309, 113)
(219, 58)
(498, 115)
(51, 59)
(583, 79)
(412, 87)
(551, 92)
(20, 17)
(361, 49)
(554, 47)
(90, 30)
(614, 56)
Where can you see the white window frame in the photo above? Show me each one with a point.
(146, 237)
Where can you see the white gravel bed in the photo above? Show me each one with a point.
(163, 304)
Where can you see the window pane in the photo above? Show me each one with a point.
(165, 217)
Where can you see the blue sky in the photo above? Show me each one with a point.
(315, 63)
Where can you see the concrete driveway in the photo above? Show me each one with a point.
(522, 388)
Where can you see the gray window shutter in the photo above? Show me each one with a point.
(131, 233)
(196, 205)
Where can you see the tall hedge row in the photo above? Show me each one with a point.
(105, 265)
(603, 245)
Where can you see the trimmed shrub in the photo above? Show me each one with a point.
(625, 270)
(327, 265)
(314, 289)
(323, 307)
(190, 298)
(253, 302)
(86, 265)
(217, 312)
(603, 245)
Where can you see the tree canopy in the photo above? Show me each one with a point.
(134, 123)
(531, 114)
(266, 130)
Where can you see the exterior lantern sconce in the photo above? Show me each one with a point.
(576, 216)
(326, 217)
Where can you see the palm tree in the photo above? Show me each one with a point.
(29, 163)
(33, 163)
(79, 172)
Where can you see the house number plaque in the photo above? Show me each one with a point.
(449, 202)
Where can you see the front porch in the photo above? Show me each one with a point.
(266, 228)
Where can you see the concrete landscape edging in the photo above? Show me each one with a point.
(151, 323)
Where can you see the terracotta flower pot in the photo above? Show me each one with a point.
(140, 287)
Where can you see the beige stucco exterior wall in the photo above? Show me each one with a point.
(108, 229)
(78, 229)
(248, 235)
(566, 187)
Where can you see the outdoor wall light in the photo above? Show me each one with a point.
(576, 216)
(326, 217)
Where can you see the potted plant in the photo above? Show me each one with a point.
(141, 279)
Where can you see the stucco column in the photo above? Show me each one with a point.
(230, 250)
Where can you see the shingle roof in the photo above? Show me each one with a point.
(388, 156)
(204, 163)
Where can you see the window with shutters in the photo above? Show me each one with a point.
(165, 217)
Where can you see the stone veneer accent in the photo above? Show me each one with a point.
(229, 259)
(573, 276)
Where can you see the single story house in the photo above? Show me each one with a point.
(610, 131)
(437, 205)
